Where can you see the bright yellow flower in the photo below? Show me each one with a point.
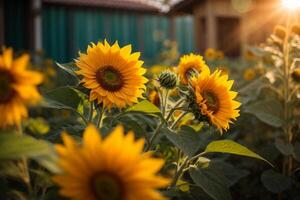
(111, 168)
(18, 88)
(189, 64)
(249, 74)
(113, 74)
(210, 54)
(215, 99)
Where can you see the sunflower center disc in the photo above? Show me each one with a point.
(107, 187)
(212, 101)
(6, 91)
(109, 78)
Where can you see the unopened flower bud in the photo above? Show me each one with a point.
(167, 79)
(296, 75)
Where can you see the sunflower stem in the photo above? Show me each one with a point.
(156, 132)
(24, 165)
(288, 161)
(197, 156)
(154, 135)
(176, 107)
(165, 102)
(101, 113)
(91, 112)
(179, 172)
(178, 119)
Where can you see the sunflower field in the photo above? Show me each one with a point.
(109, 126)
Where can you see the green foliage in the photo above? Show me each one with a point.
(229, 146)
(268, 111)
(212, 181)
(186, 139)
(37, 126)
(69, 67)
(144, 106)
(284, 148)
(63, 98)
(16, 147)
(275, 182)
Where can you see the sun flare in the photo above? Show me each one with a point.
(291, 4)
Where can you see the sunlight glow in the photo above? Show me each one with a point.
(291, 4)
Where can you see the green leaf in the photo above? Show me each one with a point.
(37, 125)
(212, 181)
(296, 151)
(144, 106)
(229, 146)
(232, 173)
(186, 139)
(285, 149)
(68, 67)
(268, 111)
(15, 147)
(275, 182)
(63, 97)
(251, 91)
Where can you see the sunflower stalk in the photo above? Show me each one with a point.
(156, 132)
(91, 112)
(165, 101)
(23, 163)
(288, 162)
(101, 113)
(179, 171)
(178, 119)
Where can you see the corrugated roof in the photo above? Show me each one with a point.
(136, 5)
(184, 6)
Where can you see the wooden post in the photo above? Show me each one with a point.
(2, 39)
(211, 25)
(36, 9)
(197, 33)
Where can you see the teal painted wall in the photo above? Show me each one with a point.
(67, 30)
(15, 24)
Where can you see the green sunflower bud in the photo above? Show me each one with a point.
(296, 75)
(167, 79)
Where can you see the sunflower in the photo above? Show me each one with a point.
(210, 54)
(114, 168)
(17, 88)
(249, 74)
(215, 99)
(113, 74)
(189, 64)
